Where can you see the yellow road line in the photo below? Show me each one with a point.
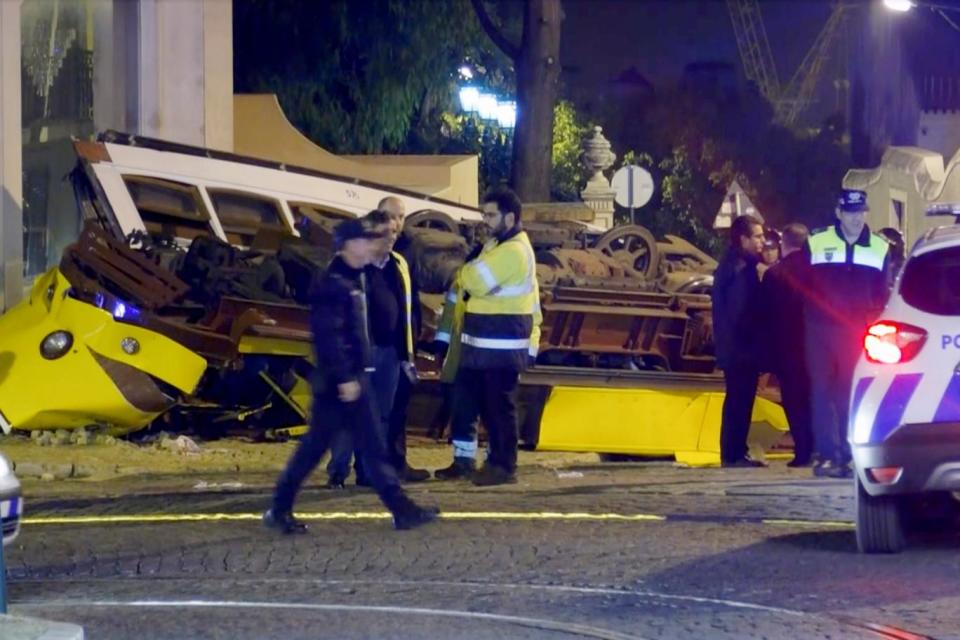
(337, 515)
(146, 518)
(809, 523)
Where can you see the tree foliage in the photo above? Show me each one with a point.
(467, 134)
(696, 144)
(355, 77)
(567, 179)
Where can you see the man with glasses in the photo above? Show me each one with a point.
(499, 299)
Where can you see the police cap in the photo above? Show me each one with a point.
(852, 200)
(352, 229)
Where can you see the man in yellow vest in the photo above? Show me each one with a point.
(848, 285)
(390, 296)
(499, 335)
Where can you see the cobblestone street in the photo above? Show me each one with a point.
(576, 549)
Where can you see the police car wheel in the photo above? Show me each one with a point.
(879, 522)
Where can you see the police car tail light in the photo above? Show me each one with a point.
(893, 342)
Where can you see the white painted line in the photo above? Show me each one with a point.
(536, 623)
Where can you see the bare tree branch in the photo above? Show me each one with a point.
(510, 49)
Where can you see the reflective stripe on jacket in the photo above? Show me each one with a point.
(448, 329)
(407, 283)
(848, 282)
(501, 321)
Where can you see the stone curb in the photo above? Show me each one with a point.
(21, 628)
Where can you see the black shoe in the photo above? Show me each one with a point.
(491, 476)
(283, 522)
(336, 482)
(743, 463)
(409, 474)
(410, 515)
(459, 469)
(800, 462)
(831, 469)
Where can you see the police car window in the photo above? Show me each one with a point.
(931, 282)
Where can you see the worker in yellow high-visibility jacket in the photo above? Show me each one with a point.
(496, 339)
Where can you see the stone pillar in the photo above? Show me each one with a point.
(598, 195)
(183, 85)
(11, 160)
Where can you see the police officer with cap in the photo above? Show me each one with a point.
(848, 276)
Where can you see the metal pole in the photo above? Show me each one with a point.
(3, 577)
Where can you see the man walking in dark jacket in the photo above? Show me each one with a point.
(342, 396)
(783, 297)
(736, 315)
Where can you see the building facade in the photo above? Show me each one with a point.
(70, 68)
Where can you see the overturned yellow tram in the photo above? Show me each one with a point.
(182, 303)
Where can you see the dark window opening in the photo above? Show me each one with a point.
(243, 216)
(931, 282)
(169, 209)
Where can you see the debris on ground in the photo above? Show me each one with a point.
(203, 485)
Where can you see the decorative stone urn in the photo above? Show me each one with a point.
(596, 158)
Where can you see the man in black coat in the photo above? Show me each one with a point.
(736, 322)
(783, 297)
(342, 396)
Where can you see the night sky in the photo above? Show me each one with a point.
(601, 38)
(659, 37)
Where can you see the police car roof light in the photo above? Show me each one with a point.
(944, 209)
(889, 342)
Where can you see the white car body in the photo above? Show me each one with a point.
(904, 428)
(11, 501)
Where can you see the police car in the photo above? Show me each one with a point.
(904, 428)
(11, 502)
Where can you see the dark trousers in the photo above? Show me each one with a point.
(831, 359)
(795, 394)
(397, 424)
(331, 417)
(383, 383)
(463, 401)
(741, 383)
(493, 392)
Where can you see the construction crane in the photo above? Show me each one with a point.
(758, 65)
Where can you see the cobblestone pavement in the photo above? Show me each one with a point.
(709, 554)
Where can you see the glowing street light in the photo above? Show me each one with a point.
(470, 99)
(487, 107)
(507, 114)
(898, 5)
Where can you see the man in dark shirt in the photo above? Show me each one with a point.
(783, 297)
(735, 323)
(342, 394)
(397, 428)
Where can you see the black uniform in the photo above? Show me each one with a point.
(736, 324)
(342, 345)
(848, 288)
(783, 297)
